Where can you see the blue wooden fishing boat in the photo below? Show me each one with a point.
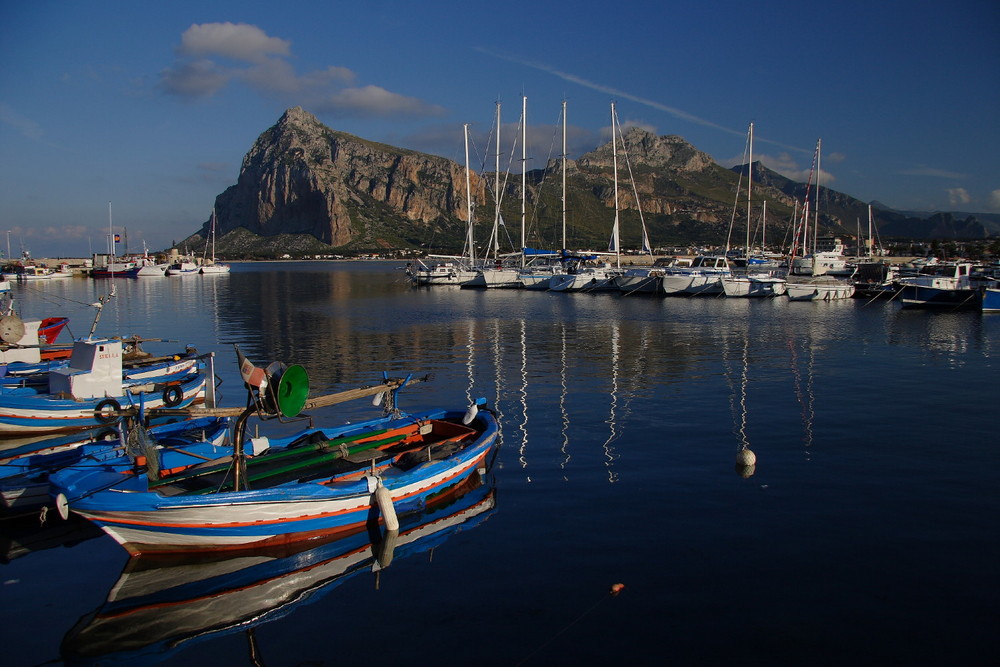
(317, 482)
(90, 392)
(991, 299)
(25, 469)
(161, 605)
(138, 367)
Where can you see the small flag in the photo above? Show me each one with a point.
(252, 375)
(118, 238)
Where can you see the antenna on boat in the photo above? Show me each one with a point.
(99, 305)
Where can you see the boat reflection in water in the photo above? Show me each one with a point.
(161, 603)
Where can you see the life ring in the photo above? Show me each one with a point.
(172, 396)
(111, 417)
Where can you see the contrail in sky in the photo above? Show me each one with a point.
(640, 100)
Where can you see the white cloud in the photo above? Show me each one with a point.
(994, 201)
(238, 41)
(375, 100)
(200, 78)
(958, 196)
(786, 165)
(265, 67)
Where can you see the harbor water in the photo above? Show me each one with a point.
(867, 532)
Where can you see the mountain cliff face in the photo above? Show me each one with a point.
(300, 177)
(305, 188)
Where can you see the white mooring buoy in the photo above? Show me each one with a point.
(746, 457)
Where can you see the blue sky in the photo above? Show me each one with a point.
(151, 106)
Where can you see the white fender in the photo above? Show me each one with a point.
(385, 506)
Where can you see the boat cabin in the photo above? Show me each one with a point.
(95, 370)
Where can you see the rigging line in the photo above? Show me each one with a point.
(635, 190)
(53, 298)
(739, 187)
(545, 175)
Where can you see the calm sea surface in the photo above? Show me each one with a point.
(869, 532)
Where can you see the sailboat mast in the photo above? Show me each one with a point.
(496, 192)
(749, 187)
(871, 241)
(763, 229)
(524, 170)
(468, 198)
(111, 233)
(819, 143)
(564, 174)
(614, 162)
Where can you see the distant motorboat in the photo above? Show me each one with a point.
(182, 267)
(703, 277)
(942, 286)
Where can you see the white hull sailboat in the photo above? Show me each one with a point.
(500, 274)
(451, 269)
(755, 282)
(208, 265)
(818, 287)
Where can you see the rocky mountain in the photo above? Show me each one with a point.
(304, 188)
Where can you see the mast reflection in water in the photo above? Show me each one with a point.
(871, 509)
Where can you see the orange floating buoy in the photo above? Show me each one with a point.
(616, 588)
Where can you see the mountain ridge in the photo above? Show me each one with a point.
(303, 179)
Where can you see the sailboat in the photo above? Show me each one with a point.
(493, 272)
(210, 266)
(451, 269)
(756, 283)
(112, 267)
(538, 272)
(600, 275)
(818, 287)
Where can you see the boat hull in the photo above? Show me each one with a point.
(149, 522)
(494, 279)
(692, 284)
(819, 291)
(24, 411)
(991, 300)
(582, 282)
(25, 470)
(922, 296)
(754, 287)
